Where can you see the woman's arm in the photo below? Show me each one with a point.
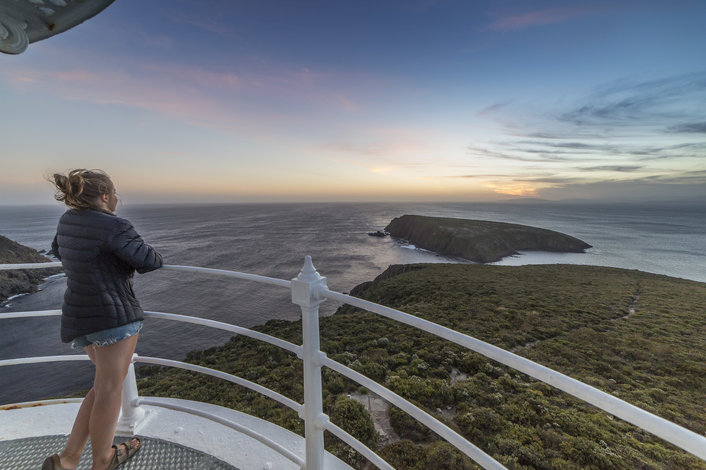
(55, 247)
(127, 245)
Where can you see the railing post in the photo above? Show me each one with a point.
(305, 294)
(130, 412)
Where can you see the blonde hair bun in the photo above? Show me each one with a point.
(81, 188)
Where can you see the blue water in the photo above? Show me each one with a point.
(272, 240)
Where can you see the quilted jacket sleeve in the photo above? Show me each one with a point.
(55, 247)
(127, 245)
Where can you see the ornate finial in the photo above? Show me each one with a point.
(308, 272)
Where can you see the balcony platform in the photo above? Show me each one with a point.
(172, 440)
(29, 453)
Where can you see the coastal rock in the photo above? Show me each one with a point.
(479, 240)
(378, 233)
(391, 271)
(21, 281)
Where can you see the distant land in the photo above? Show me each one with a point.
(583, 201)
(479, 240)
(21, 281)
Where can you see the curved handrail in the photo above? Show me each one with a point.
(51, 264)
(31, 313)
(226, 422)
(165, 362)
(182, 365)
(40, 359)
(670, 432)
(222, 375)
(227, 273)
(361, 448)
(420, 415)
(425, 418)
(171, 267)
(291, 347)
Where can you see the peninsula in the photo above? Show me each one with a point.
(481, 241)
(21, 281)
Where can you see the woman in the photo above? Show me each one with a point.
(100, 253)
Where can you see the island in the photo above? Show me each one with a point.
(480, 241)
(23, 281)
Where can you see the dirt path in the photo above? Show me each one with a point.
(378, 409)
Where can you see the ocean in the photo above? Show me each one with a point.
(272, 240)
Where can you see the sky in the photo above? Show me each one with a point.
(416, 100)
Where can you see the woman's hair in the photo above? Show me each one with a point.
(81, 188)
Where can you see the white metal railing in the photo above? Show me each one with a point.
(308, 291)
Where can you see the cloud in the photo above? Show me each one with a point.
(492, 108)
(691, 127)
(663, 104)
(616, 168)
(210, 98)
(480, 176)
(621, 127)
(206, 24)
(504, 155)
(637, 190)
(553, 180)
(542, 17)
(578, 146)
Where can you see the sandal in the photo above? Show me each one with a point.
(121, 456)
(53, 463)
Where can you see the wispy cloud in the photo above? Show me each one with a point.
(520, 155)
(616, 168)
(199, 96)
(689, 127)
(481, 176)
(664, 103)
(529, 19)
(212, 25)
(492, 108)
(652, 130)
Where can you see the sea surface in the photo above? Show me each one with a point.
(272, 240)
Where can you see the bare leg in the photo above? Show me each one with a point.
(79, 433)
(112, 363)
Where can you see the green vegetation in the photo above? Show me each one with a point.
(636, 335)
(479, 240)
(20, 281)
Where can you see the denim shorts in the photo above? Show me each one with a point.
(107, 337)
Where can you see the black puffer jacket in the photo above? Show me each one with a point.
(100, 253)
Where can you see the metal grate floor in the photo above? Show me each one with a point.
(155, 454)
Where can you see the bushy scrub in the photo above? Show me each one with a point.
(638, 336)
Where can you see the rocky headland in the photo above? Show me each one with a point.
(22, 281)
(479, 240)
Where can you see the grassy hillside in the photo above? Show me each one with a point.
(636, 335)
(479, 240)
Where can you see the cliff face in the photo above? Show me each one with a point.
(479, 240)
(20, 281)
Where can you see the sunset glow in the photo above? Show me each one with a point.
(274, 101)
